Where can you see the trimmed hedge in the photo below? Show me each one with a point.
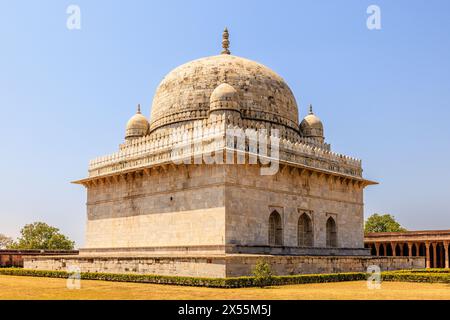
(141, 278)
(296, 279)
(237, 282)
(419, 275)
(432, 270)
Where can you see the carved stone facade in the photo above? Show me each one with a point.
(218, 205)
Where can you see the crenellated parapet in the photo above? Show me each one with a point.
(210, 136)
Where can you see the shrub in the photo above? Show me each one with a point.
(262, 274)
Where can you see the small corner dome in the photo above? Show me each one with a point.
(137, 126)
(224, 97)
(312, 121)
(311, 125)
(223, 92)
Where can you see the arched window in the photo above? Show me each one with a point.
(331, 233)
(305, 231)
(275, 229)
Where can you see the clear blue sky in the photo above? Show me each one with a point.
(65, 96)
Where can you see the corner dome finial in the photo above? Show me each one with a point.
(137, 126)
(312, 127)
(225, 42)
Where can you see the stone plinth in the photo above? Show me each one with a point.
(220, 266)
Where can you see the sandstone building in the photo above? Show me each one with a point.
(170, 201)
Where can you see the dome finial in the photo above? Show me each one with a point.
(310, 109)
(137, 126)
(225, 42)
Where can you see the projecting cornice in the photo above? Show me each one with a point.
(284, 167)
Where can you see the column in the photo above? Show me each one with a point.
(447, 263)
(385, 248)
(410, 245)
(427, 253)
(434, 254)
(377, 248)
(417, 249)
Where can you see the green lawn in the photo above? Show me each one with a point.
(20, 287)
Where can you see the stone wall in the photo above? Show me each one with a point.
(177, 207)
(221, 266)
(186, 228)
(171, 266)
(14, 258)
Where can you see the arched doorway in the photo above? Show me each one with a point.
(414, 250)
(331, 233)
(389, 250)
(305, 231)
(275, 229)
(432, 256)
(397, 249)
(422, 250)
(440, 259)
(373, 249)
(405, 250)
(381, 252)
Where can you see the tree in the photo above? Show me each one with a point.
(382, 223)
(5, 241)
(40, 235)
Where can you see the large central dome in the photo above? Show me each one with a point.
(184, 94)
